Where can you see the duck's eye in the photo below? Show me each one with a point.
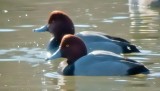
(67, 45)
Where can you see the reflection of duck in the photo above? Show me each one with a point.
(95, 63)
(152, 3)
(144, 20)
(60, 24)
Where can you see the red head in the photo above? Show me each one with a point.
(71, 47)
(60, 24)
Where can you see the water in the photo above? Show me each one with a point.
(22, 52)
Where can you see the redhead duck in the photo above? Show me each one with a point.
(60, 24)
(95, 63)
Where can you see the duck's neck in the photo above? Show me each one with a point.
(58, 37)
(71, 61)
(58, 40)
(75, 57)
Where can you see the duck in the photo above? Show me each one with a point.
(96, 63)
(145, 3)
(59, 24)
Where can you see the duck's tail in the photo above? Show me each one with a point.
(140, 69)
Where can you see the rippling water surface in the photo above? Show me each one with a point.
(22, 52)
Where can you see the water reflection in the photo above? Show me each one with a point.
(144, 28)
(144, 18)
(144, 23)
(83, 83)
(22, 54)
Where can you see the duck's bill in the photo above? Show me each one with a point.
(56, 55)
(41, 29)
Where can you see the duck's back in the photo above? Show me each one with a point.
(90, 36)
(96, 41)
(98, 36)
(102, 63)
(100, 41)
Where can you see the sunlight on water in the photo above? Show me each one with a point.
(154, 75)
(27, 54)
(25, 26)
(7, 30)
(120, 17)
(5, 11)
(53, 75)
(108, 21)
